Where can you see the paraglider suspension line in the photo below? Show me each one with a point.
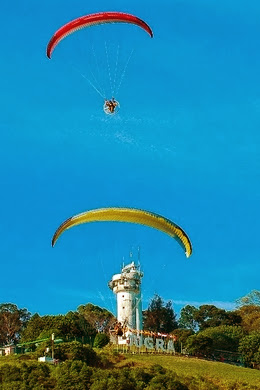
(124, 71)
(109, 71)
(92, 85)
(98, 71)
(116, 67)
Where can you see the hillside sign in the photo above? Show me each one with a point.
(150, 343)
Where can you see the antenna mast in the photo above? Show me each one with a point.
(138, 255)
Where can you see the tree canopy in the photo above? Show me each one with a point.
(250, 348)
(100, 319)
(187, 318)
(12, 321)
(160, 316)
(250, 315)
(253, 298)
(207, 316)
(225, 337)
(69, 326)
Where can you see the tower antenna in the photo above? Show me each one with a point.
(138, 255)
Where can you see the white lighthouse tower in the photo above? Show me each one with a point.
(127, 287)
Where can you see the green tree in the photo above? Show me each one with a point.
(225, 337)
(101, 340)
(31, 376)
(76, 351)
(256, 358)
(12, 322)
(249, 347)
(167, 382)
(199, 345)
(142, 377)
(187, 318)
(113, 379)
(76, 325)
(73, 375)
(253, 298)
(73, 325)
(33, 329)
(100, 319)
(181, 335)
(160, 316)
(210, 316)
(250, 315)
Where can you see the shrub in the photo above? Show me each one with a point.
(101, 340)
(249, 347)
(76, 351)
(199, 345)
(225, 337)
(74, 375)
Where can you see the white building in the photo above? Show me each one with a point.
(127, 287)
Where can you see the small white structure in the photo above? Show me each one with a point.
(127, 287)
(7, 350)
(46, 359)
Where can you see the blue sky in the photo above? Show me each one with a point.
(185, 144)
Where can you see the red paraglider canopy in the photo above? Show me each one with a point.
(93, 19)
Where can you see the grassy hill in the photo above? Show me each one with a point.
(225, 376)
(194, 374)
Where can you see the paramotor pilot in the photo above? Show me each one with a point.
(110, 106)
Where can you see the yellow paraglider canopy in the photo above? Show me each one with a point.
(131, 215)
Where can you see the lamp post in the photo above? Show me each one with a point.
(52, 345)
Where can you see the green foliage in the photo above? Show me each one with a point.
(167, 382)
(153, 378)
(187, 318)
(225, 329)
(47, 334)
(157, 369)
(142, 377)
(250, 348)
(12, 322)
(207, 316)
(27, 376)
(33, 328)
(199, 345)
(74, 375)
(70, 326)
(256, 358)
(100, 319)
(113, 379)
(107, 356)
(42, 348)
(200, 374)
(211, 316)
(224, 337)
(182, 336)
(76, 351)
(159, 317)
(101, 340)
(173, 373)
(250, 315)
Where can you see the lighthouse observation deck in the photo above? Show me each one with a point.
(128, 280)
